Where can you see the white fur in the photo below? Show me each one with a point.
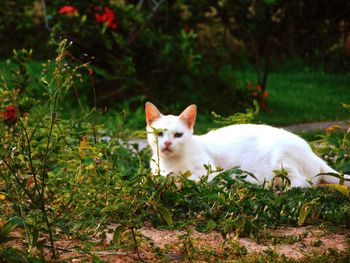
(257, 149)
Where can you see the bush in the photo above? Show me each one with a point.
(134, 53)
(175, 52)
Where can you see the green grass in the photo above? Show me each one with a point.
(303, 96)
(296, 95)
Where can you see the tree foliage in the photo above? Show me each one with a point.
(182, 51)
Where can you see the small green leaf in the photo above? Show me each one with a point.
(346, 106)
(118, 231)
(211, 225)
(166, 214)
(83, 18)
(16, 221)
(105, 210)
(304, 211)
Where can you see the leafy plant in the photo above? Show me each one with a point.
(238, 118)
(7, 228)
(334, 147)
(8, 254)
(28, 156)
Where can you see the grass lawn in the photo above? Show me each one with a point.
(297, 97)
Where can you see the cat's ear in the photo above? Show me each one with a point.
(188, 116)
(152, 113)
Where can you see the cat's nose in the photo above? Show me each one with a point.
(167, 143)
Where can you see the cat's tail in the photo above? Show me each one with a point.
(330, 176)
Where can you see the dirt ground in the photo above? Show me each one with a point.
(295, 243)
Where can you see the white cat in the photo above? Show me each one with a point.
(257, 149)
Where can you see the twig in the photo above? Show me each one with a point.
(256, 58)
(266, 66)
(47, 26)
(18, 180)
(33, 172)
(136, 246)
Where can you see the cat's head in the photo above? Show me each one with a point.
(173, 131)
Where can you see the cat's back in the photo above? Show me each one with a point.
(246, 144)
(246, 130)
(250, 134)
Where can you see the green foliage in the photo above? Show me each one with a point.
(141, 55)
(238, 118)
(269, 29)
(280, 180)
(22, 82)
(7, 228)
(22, 26)
(8, 254)
(334, 146)
(29, 150)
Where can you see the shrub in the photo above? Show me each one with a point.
(134, 53)
(33, 178)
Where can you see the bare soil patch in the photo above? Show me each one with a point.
(295, 243)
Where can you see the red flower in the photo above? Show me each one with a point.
(10, 115)
(265, 94)
(258, 88)
(68, 10)
(108, 17)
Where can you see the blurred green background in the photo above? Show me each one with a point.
(291, 56)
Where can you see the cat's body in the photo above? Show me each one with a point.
(257, 149)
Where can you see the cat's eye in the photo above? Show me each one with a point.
(160, 134)
(178, 134)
